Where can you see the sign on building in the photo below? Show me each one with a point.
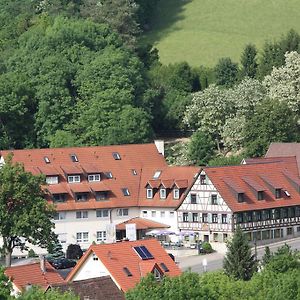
(131, 232)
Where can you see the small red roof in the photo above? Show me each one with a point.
(70, 169)
(118, 256)
(32, 274)
(141, 224)
(56, 189)
(98, 186)
(79, 188)
(48, 170)
(91, 168)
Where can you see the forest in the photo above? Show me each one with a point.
(78, 72)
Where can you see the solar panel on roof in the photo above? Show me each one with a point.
(143, 252)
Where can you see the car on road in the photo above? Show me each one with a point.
(62, 263)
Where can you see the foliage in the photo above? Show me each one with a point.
(177, 153)
(24, 213)
(249, 61)
(284, 82)
(38, 294)
(5, 285)
(267, 256)
(207, 247)
(272, 121)
(55, 251)
(226, 72)
(239, 262)
(225, 160)
(201, 148)
(74, 251)
(31, 253)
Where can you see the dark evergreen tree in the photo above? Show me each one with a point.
(226, 72)
(267, 256)
(239, 262)
(74, 251)
(55, 251)
(248, 61)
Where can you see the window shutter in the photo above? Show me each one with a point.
(209, 218)
(190, 217)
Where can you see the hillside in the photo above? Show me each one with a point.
(201, 31)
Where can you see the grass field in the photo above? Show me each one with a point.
(202, 31)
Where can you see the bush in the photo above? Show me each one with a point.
(74, 252)
(207, 247)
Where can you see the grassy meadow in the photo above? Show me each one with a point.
(202, 31)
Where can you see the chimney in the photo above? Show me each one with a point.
(42, 263)
(160, 145)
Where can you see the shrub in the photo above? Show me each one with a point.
(74, 252)
(207, 247)
(31, 253)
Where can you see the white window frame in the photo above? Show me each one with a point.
(145, 214)
(51, 179)
(149, 193)
(176, 193)
(163, 193)
(94, 177)
(153, 213)
(82, 237)
(122, 212)
(156, 174)
(172, 214)
(73, 178)
(61, 215)
(162, 214)
(101, 236)
(102, 213)
(82, 214)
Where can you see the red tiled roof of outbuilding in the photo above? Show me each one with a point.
(141, 224)
(117, 256)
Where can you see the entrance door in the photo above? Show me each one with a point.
(206, 238)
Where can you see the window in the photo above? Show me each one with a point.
(162, 214)
(46, 160)
(74, 158)
(277, 193)
(81, 197)
(289, 231)
(193, 198)
(260, 195)
(59, 197)
(101, 196)
(102, 213)
(144, 214)
(203, 179)
(195, 217)
(215, 218)
(108, 175)
(127, 272)
(82, 214)
(214, 199)
(125, 192)
(134, 172)
(149, 193)
(240, 197)
(122, 212)
(162, 193)
(224, 218)
(153, 213)
(176, 193)
(116, 156)
(101, 236)
(156, 174)
(157, 274)
(59, 215)
(73, 178)
(82, 237)
(164, 267)
(51, 179)
(94, 177)
(185, 217)
(204, 218)
(172, 214)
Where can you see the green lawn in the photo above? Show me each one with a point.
(202, 31)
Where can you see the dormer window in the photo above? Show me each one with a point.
(116, 156)
(163, 193)
(108, 175)
(157, 274)
(260, 195)
(73, 178)
(240, 197)
(176, 193)
(277, 193)
(74, 158)
(94, 177)
(125, 192)
(203, 179)
(51, 179)
(59, 197)
(81, 197)
(46, 159)
(149, 193)
(156, 174)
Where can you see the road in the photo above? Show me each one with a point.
(215, 260)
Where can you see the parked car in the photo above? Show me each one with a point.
(193, 245)
(62, 263)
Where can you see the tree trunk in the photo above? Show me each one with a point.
(7, 258)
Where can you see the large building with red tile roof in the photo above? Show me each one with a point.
(97, 188)
(40, 274)
(125, 262)
(261, 196)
